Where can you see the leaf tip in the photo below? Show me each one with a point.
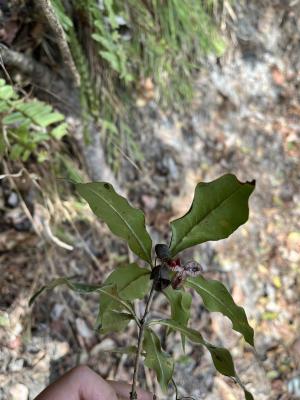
(253, 182)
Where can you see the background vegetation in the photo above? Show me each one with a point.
(108, 58)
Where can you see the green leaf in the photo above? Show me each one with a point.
(180, 303)
(3, 146)
(218, 209)
(64, 19)
(48, 119)
(128, 282)
(248, 395)
(217, 298)
(16, 152)
(222, 360)
(13, 118)
(112, 320)
(6, 92)
(39, 137)
(132, 281)
(115, 321)
(112, 59)
(4, 106)
(26, 155)
(122, 219)
(33, 108)
(60, 131)
(157, 359)
(221, 357)
(77, 287)
(108, 44)
(110, 302)
(40, 113)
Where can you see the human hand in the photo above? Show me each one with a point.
(81, 383)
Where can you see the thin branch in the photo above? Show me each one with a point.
(4, 69)
(22, 202)
(55, 25)
(133, 393)
(41, 76)
(16, 175)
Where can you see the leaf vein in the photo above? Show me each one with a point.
(189, 231)
(125, 222)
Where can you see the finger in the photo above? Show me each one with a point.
(123, 389)
(93, 387)
(81, 383)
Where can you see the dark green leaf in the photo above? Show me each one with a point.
(3, 146)
(77, 287)
(180, 303)
(114, 321)
(248, 395)
(221, 357)
(111, 304)
(222, 360)
(122, 219)
(218, 209)
(217, 298)
(132, 281)
(128, 282)
(157, 359)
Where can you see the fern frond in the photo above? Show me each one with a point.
(28, 123)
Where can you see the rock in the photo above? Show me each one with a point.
(19, 392)
(60, 349)
(16, 365)
(12, 200)
(105, 345)
(83, 329)
(294, 386)
(57, 311)
(149, 202)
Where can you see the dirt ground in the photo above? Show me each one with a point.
(245, 119)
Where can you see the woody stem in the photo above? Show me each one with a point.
(133, 393)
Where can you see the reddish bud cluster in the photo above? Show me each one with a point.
(174, 263)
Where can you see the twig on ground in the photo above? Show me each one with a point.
(16, 175)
